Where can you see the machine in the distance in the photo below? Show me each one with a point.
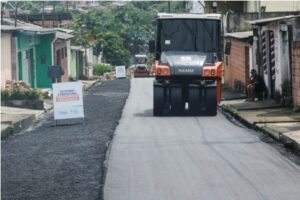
(188, 70)
(140, 66)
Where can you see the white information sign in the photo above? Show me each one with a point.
(68, 100)
(120, 72)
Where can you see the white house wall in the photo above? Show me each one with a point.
(6, 61)
(281, 56)
(69, 57)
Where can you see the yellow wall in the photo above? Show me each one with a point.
(275, 6)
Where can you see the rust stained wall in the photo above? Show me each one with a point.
(296, 72)
(236, 68)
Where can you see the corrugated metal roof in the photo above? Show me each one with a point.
(267, 20)
(34, 29)
(63, 36)
(240, 35)
(188, 16)
(23, 26)
(78, 48)
(8, 28)
(64, 30)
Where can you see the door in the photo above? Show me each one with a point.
(32, 68)
(20, 65)
(24, 68)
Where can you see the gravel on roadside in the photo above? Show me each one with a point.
(64, 162)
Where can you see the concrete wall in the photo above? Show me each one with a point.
(224, 6)
(237, 22)
(282, 73)
(236, 65)
(6, 61)
(296, 72)
(49, 24)
(274, 6)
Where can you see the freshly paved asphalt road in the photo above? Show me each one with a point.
(64, 162)
(192, 158)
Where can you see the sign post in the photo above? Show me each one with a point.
(68, 101)
(120, 72)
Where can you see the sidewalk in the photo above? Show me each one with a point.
(13, 120)
(267, 116)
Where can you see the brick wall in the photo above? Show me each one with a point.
(296, 72)
(236, 70)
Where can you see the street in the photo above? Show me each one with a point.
(192, 158)
(64, 162)
(182, 100)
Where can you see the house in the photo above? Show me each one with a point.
(85, 59)
(32, 49)
(8, 59)
(272, 49)
(222, 7)
(272, 6)
(277, 53)
(61, 49)
(77, 63)
(238, 60)
(35, 53)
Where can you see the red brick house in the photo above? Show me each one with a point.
(238, 60)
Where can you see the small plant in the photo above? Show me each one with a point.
(286, 98)
(5, 94)
(100, 69)
(35, 94)
(18, 94)
(296, 109)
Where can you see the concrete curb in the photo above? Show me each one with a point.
(18, 126)
(287, 141)
(91, 85)
(26, 122)
(233, 98)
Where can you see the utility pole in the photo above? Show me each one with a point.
(169, 6)
(16, 13)
(2, 12)
(43, 13)
(259, 41)
(258, 7)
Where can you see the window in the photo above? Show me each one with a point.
(66, 52)
(228, 47)
(43, 59)
(58, 57)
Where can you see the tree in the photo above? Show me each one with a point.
(121, 32)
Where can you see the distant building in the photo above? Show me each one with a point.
(272, 6)
(197, 6)
(222, 7)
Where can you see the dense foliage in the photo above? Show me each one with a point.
(100, 69)
(121, 31)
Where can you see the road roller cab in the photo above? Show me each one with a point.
(188, 70)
